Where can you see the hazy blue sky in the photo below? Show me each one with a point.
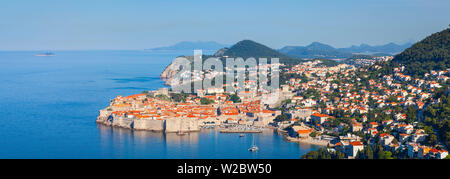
(132, 24)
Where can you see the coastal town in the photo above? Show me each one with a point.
(156, 111)
(342, 107)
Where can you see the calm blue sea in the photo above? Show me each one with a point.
(48, 108)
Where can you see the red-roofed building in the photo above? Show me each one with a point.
(373, 124)
(319, 118)
(304, 133)
(355, 146)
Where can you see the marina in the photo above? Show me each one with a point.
(240, 129)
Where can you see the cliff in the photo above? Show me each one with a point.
(168, 73)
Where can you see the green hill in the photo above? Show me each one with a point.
(432, 53)
(249, 48)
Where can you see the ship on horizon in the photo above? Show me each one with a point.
(46, 54)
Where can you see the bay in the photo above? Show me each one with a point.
(48, 107)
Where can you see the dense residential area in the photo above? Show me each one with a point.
(364, 112)
(408, 105)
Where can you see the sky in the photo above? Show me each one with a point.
(139, 24)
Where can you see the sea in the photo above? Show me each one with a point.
(49, 104)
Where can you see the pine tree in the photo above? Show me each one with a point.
(369, 152)
(379, 152)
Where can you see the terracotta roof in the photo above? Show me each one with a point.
(356, 143)
(320, 115)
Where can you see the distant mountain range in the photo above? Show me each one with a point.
(297, 54)
(203, 45)
(391, 48)
(320, 50)
(314, 50)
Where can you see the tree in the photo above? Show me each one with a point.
(311, 155)
(359, 155)
(431, 140)
(369, 152)
(379, 152)
(162, 97)
(436, 117)
(179, 97)
(387, 155)
(235, 98)
(339, 154)
(206, 101)
(282, 117)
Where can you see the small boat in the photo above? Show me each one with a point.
(47, 54)
(253, 148)
(181, 133)
(242, 135)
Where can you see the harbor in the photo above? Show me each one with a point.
(240, 129)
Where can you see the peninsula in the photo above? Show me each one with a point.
(173, 112)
